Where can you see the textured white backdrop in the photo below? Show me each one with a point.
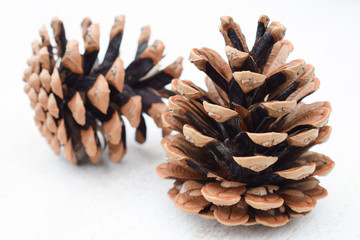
(43, 196)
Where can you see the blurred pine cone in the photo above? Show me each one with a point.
(242, 153)
(75, 98)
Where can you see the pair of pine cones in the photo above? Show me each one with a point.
(241, 153)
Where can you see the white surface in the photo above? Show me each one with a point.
(42, 196)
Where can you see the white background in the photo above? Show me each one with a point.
(43, 196)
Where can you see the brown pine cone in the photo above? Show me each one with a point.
(242, 153)
(78, 101)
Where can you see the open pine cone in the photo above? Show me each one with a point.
(242, 153)
(77, 100)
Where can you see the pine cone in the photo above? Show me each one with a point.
(242, 153)
(75, 98)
